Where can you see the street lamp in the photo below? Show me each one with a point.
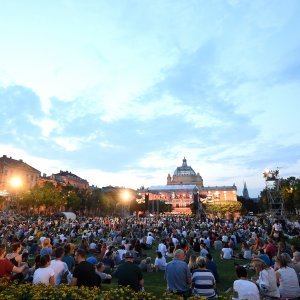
(16, 183)
(125, 199)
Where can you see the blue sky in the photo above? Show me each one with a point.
(118, 92)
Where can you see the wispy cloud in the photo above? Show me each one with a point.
(134, 87)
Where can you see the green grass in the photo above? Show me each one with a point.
(156, 283)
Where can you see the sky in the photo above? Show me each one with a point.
(119, 92)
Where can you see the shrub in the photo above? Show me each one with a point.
(13, 291)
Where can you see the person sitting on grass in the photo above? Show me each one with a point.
(44, 274)
(244, 288)
(146, 265)
(84, 272)
(203, 280)
(192, 263)
(226, 252)
(178, 275)
(7, 268)
(160, 262)
(129, 274)
(266, 279)
(105, 278)
(287, 279)
(212, 266)
(246, 252)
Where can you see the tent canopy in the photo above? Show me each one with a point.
(69, 215)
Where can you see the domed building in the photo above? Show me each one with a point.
(185, 175)
(184, 187)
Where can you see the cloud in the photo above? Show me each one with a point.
(134, 87)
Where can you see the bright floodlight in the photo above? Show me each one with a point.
(16, 182)
(125, 195)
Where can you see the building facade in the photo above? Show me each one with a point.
(16, 176)
(184, 186)
(185, 175)
(68, 178)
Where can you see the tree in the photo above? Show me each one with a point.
(290, 193)
(248, 205)
(73, 201)
(223, 207)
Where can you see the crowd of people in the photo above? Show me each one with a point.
(92, 251)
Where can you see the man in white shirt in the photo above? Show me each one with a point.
(149, 241)
(175, 241)
(162, 248)
(243, 288)
(226, 252)
(60, 268)
(224, 238)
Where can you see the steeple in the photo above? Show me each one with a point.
(169, 179)
(184, 163)
(245, 192)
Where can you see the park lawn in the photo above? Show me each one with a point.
(156, 283)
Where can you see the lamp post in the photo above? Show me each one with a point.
(125, 201)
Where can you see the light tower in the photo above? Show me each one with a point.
(275, 201)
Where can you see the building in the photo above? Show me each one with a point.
(179, 196)
(185, 175)
(68, 178)
(184, 187)
(245, 192)
(16, 176)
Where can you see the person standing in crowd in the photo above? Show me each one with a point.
(178, 275)
(203, 280)
(84, 273)
(244, 288)
(276, 230)
(128, 273)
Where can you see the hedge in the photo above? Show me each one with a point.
(13, 291)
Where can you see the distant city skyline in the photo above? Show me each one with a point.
(118, 93)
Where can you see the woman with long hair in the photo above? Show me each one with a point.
(46, 247)
(266, 281)
(16, 259)
(287, 279)
(192, 263)
(15, 256)
(160, 262)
